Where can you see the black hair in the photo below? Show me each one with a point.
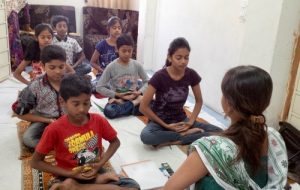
(175, 45)
(112, 21)
(52, 52)
(124, 39)
(58, 18)
(41, 27)
(248, 90)
(72, 85)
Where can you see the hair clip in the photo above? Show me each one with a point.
(259, 119)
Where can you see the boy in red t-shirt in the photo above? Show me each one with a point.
(76, 139)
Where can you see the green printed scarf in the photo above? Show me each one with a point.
(218, 154)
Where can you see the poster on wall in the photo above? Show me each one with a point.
(94, 26)
(43, 13)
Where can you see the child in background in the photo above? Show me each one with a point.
(123, 81)
(70, 45)
(44, 35)
(76, 139)
(38, 103)
(106, 51)
(247, 155)
(168, 122)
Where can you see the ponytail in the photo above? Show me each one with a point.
(167, 64)
(249, 135)
(247, 91)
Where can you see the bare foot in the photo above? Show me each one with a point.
(67, 184)
(191, 131)
(137, 100)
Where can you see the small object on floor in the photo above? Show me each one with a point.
(164, 171)
(168, 168)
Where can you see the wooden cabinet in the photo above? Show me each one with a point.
(4, 47)
(294, 113)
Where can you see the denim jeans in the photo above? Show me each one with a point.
(122, 182)
(115, 110)
(83, 68)
(33, 134)
(154, 134)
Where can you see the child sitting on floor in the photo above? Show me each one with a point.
(169, 125)
(123, 81)
(248, 154)
(70, 45)
(43, 37)
(38, 103)
(105, 50)
(76, 139)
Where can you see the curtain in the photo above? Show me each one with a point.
(14, 5)
(114, 4)
(16, 10)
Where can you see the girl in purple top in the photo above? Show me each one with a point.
(169, 124)
(106, 50)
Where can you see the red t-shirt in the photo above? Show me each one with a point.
(76, 145)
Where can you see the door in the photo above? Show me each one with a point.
(291, 110)
(4, 47)
(294, 112)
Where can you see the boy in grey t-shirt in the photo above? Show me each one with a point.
(123, 81)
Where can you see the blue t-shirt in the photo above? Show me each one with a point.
(107, 53)
(171, 95)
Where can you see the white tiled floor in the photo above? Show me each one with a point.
(10, 175)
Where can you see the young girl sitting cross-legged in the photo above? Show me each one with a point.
(168, 122)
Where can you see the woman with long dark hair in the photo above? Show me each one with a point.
(248, 155)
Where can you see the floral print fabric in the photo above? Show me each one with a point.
(218, 154)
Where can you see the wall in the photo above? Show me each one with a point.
(259, 45)
(224, 34)
(287, 33)
(78, 9)
(215, 33)
(147, 25)
(269, 43)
